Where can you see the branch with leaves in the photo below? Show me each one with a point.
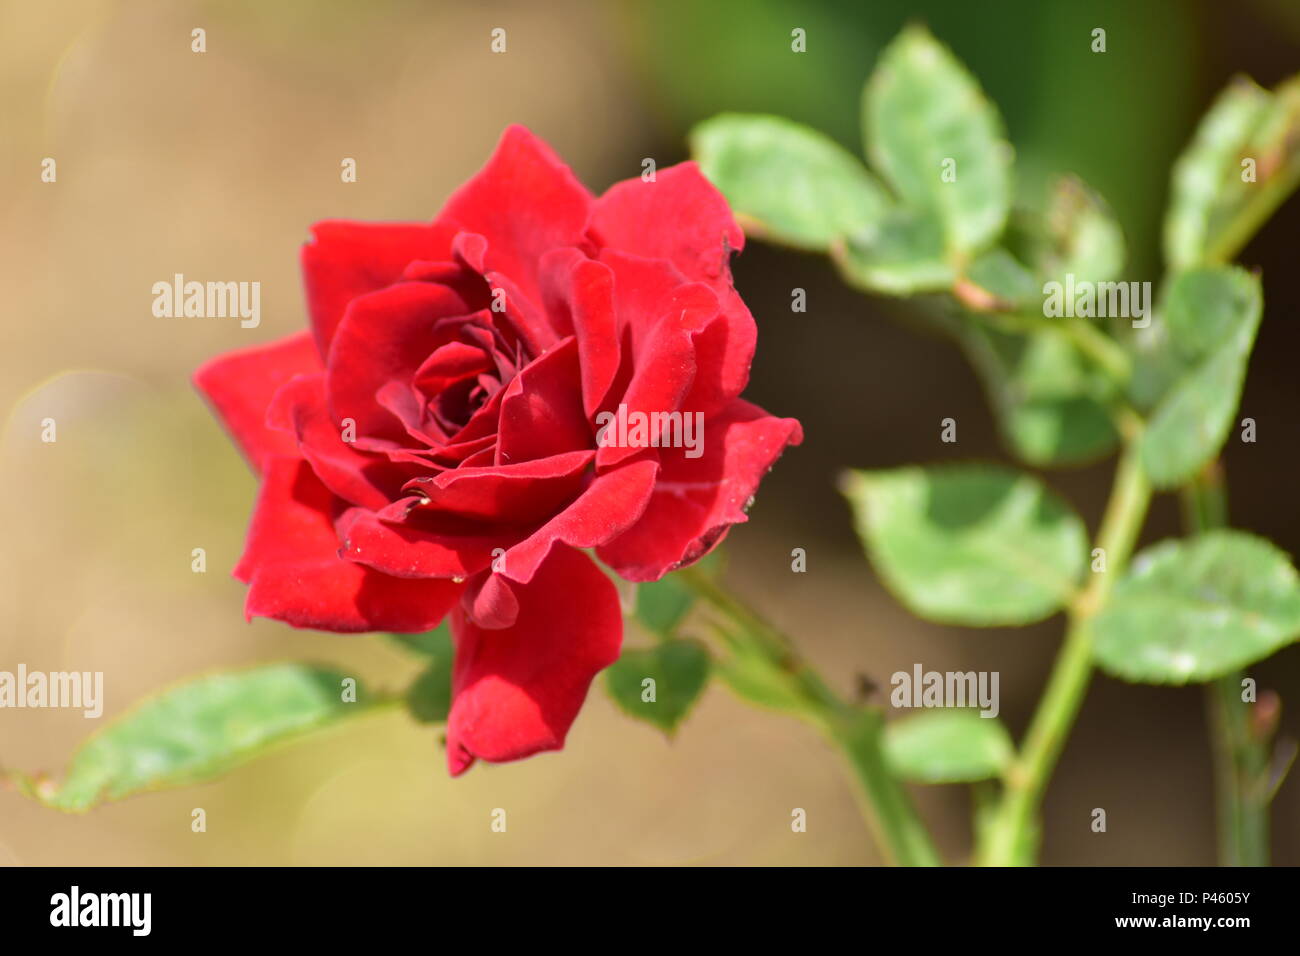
(935, 217)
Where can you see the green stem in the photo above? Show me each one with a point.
(1103, 349)
(886, 806)
(1085, 336)
(855, 731)
(1264, 202)
(1012, 831)
(1240, 756)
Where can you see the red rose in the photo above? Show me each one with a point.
(430, 446)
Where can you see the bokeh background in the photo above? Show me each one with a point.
(214, 165)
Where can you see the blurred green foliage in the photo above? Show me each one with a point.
(1116, 119)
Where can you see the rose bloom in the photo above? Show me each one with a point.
(429, 446)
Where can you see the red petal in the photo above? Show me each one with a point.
(519, 308)
(541, 412)
(580, 296)
(507, 494)
(680, 217)
(726, 349)
(409, 551)
(516, 691)
(490, 602)
(643, 289)
(696, 500)
(530, 325)
(294, 572)
(450, 364)
(363, 479)
(611, 504)
(525, 202)
(240, 385)
(648, 292)
(384, 337)
(666, 369)
(347, 259)
(683, 219)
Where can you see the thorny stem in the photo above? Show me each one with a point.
(855, 731)
(1012, 832)
(1240, 755)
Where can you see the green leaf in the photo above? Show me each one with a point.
(786, 182)
(947, 746)
(428, 699)
(1205, 168)
(679, 669)
(1191, 424)
(661, 605)
(1205, 309)
(1211, 212)
(1212, 316)
(1084, 238)
(1051, 403)
(1077, 235)
(969, 544)
(200, 729)
(922, 108)
(1197, 609)
(997, 281)
(901, 254)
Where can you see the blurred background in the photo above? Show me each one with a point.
(214, 166)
